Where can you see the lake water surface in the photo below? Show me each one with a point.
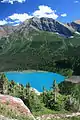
(36, 79)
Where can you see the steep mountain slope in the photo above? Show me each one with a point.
(6, 30)
(75, 25)
(47, 24)
(37, 44)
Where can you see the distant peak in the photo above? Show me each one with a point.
(77, 21)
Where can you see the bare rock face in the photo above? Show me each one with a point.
(15, 104)
(51, 25)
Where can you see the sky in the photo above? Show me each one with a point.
(15, 12)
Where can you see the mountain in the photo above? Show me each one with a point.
(43, 24)
(39, 44)
(50, 25)
(75, 25)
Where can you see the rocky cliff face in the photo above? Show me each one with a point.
(51, 25)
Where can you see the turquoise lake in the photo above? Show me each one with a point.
(36, 79)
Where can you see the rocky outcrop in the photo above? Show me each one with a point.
(15, 104)
(74, 79)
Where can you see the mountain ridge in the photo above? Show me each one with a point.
(44, 24)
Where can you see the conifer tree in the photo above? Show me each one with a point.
(44, 94)
(4, 83)
(55, 90)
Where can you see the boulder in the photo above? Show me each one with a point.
(16, 104)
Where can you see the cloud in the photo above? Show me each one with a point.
(3, 22)
(76, 1)
(19, 17)
(45, 11)
(16, 24)
(63, 15)
(12, 1)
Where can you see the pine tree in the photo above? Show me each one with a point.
(55, 90)
(28, 88)
(44, 95)
(4, 83)
(28, 94)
